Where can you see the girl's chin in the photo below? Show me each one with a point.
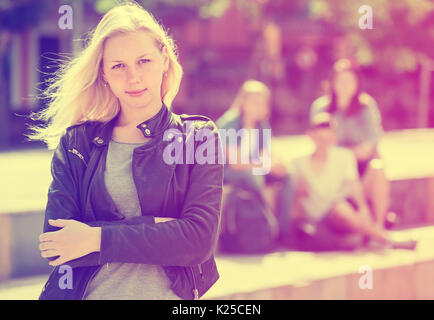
(136, 104)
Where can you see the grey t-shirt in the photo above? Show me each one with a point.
(132, 281)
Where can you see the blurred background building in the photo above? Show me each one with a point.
(289, 45)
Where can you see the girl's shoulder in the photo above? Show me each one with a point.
(81, 132)
(367, 101)
(196, 121)
(229, 119)
(322, 101)
(369, 107)
(194, 117)
(84, 124)
(319, 105)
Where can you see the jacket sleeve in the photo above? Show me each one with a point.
(93, 259)
(189, 240)
(63, 202)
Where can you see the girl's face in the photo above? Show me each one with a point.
(323, 137)
(345, 85)
(256, 107)
(133, 66)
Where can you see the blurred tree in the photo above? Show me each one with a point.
(400, 41)
(175, 11)
(404, 29)
(15, 16)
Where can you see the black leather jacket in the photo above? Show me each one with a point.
(190, 192)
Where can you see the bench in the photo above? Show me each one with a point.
(396, 274)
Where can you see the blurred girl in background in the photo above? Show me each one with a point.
(251, 110)
(359, 129)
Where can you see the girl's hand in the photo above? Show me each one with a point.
(301, 188)
(74, 240)
(363, 151)
(279, 170)
(365, 215)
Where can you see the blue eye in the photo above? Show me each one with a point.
(144, 60)
(117, 66)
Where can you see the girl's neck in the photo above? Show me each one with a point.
(320, 154)
(249, 124)
(133, 116)
(343, 102)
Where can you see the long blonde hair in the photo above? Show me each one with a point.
(77, 93)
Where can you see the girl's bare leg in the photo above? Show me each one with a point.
(344, 217)
(377, 191)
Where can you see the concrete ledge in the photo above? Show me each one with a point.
(413, 201)
(5, 247)
(19, 245)
(396, 274)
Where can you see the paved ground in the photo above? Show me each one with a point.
(22, 289)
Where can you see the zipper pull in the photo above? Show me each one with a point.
(74, 151)
(200, 271)
(78, 154)
(196, 294)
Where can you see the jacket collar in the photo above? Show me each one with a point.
(150, 128)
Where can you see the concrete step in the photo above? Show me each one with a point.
(396, 274)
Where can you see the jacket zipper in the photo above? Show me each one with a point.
(74, 151)
(195, 290)
(200, 271)
(48, 280)
(87, 284)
